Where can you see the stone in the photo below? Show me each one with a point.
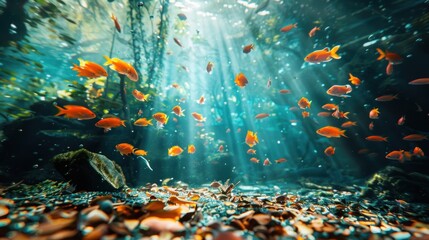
(90, 171)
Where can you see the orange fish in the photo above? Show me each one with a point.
(354, 80)
(139, 152)
(374, 113)
(75, 112)
(262, 115)
(338, 114)
(191, 149)
(82, 72)
(248, 48)
(177, 42)
(175, 85)
(115, 20)
(418, 152)
(375, 138)
(313, 31)
(125, 148)
(303, 103)
(251, 138)
(98, 70)
(329, 151)
(241, 80)
(209, 67)
(109, 123)
(348, 124)
(284, 91)
(174, 151)
(420, 81)
(401, 121)
(220, 149)
(389, 69)
(140, 96)
(371, 126)
(122, 67)
(339, 90)
(330, 106)
(386, 98)
(396, 155)
(393, 58)
(330, 132)
(267, 162)
(254, 160)
(305, 114)
(251, 151)
(288, 27)
(324, 114)
(201, 100)
(415, 137)
(198, 117)
(280, 160)
(143, 122)
(160, 117)
(324, 55)
(178, 111)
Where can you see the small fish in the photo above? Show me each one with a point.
(241, 80)
(125, 148)
(269, 83)
(75, 112)
(261, 115)
(175, 85)
(251, 138)
(418, 152)
(115, 20)
(248, 48)
(330, 106)
(251, 151)
(284, 91)
(140, 96)
(303, 103)
(201, 100)
(288, 27)
(109, 123)
(95, 68)
(254, 160)
(374, 113)
(228, 130)
(313, 31)
(143, 122)
(389, 69)
(396, 155)
(324, 55)
(338, 114)
(348, 124)
(146, 162)
(198, 117)
(305, 114)
(354, 80)
(393, 58)
(182, 16)
(371, 126)
(267, 162)
(139, 152)
(324, 114)
(160, 117)
(82, 72)
(122, 67)
(177, 42)
(220, 149)
(178, 111)
(420, 81)
(175, 151)
(386, 98)
(329, 151)
(191, 149)
(376, 138)
(281, 160)
(415, 137)
(209, 67)
(401, 121)
(339, 90)
(330, 131)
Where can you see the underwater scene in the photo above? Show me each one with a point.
(214, 119)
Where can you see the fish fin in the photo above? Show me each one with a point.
(113, 17)
(61, 110)
(345, 96)
(342, 133)
(382, 54)
(107, 129)
(351, 76)
(81, 62)
(326, 49)
(76, 67)
(334, 52)
(123, 123)
(108, 61)
(166, 120)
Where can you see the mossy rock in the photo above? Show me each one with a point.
(90, 171)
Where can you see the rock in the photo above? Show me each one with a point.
(89, 171)
(395, 183)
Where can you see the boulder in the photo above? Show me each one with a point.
(90, 171)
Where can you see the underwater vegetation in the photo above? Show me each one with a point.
(216, 119)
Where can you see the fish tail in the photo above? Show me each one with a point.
(334, 52)
(81, 62)
(166, 120)
(61, 111)
(345, 115)
(113, 17)
(309, 104)
(150, 122)
(108, 61)
(76, 67)
(342, 133)
(382, 54)
(123, 123)
(295, 25)
(385, 139)
(351, 76)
